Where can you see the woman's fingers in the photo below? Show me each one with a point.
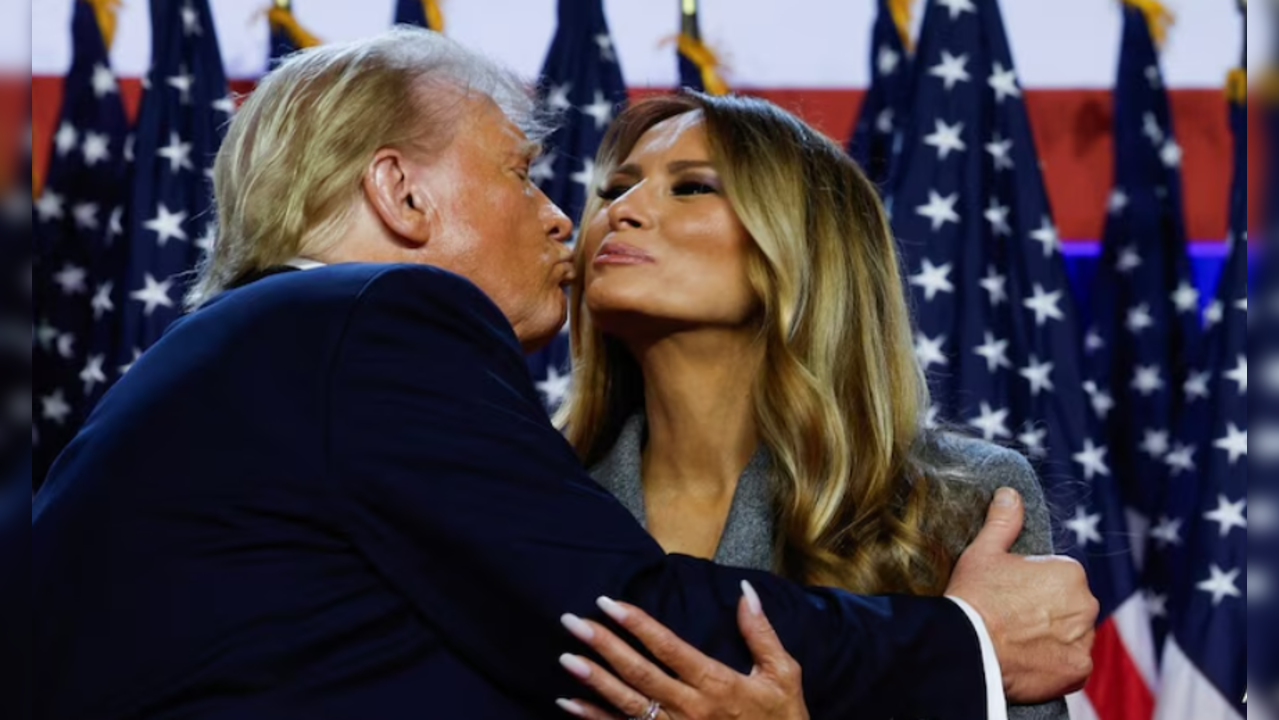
(689, 664)
(583, 709)
(770, 655)
(617, 693)
(639, 675)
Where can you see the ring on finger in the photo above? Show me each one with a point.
(654, 709)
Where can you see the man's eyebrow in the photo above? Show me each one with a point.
(527, 150)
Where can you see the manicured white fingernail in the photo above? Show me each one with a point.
(571, 707)
(576, 665)
(578, 627)
(611, 609)
(752, 599)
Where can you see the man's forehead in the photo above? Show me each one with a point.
(500, 132)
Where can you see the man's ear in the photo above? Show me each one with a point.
(404, 207)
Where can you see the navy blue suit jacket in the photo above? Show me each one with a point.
(334, 494)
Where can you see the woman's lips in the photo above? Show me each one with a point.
(615, 253)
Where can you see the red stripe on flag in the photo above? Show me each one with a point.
(1116, 689)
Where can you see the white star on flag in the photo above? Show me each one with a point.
(996, 285)
(1171, 154)
(995, 352)
(1040, 376)
(1093, 460)
(555, 387)
(1240, 375)
(557, 98)
(993, 424)
(1047, 236)
(1148, 380)
(191, 21)
(605, 44)
(1186, 297)
(1045, 305)
(1034, 439)
(177, 153)
(1085, 527)
(96, 148)
(1167, 532)
(933, 279)
(104, 82)
(67, 139)
(947, 139)
(1221, 584)
(1181, 459)
(86, 215)
(1002, 151)
(101, 302)
(1139, 319)
(1228, 515)
(1004, 83)
(1118, 201)
(888, 60)
(997, 216)
(929, 351)
(154, 295)
(66, 346)
(71, 278)
(167, 225)
(957, 7)
(92, 374)
(49, 206)
(1129, 260)
(1156, 444)
(183, 83)
(586, 176)
(54, 407)
(1235, 443)
(543, 168)
(952, 70)
(1196, 387)
(601, 110)
(940, 210)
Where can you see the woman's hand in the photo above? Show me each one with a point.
(703, 689)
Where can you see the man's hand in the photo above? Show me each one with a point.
(1039, 611)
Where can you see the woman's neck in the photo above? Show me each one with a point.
(701, 421)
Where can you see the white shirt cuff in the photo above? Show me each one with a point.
(996, 701)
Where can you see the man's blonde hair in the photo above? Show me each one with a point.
(289, 172)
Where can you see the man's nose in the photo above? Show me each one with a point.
(558, 227)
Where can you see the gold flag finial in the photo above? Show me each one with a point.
(282, 20)
(1158, 17)
(901, 18)
(691, 47)
(108, 12)
(434, 15)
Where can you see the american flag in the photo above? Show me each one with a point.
(423, 13)
(997, 330)
(78, 245)
(875, 136)
(1205, 658)
(169, 222)
(1145, 308)
(582, 81)
(1263, 493)
(16, 274)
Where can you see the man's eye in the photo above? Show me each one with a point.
(695, 188)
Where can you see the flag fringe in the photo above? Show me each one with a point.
(1158, 17)
(434, 15)
(900, 10)
(1237, 86)
(704, 58)
(108, 12)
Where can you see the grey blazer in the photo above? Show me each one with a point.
(748, 535)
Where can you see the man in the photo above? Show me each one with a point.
(331, 492)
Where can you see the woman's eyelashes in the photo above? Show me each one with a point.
(681, 188)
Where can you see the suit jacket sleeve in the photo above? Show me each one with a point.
(1009, 469)
(469, 503)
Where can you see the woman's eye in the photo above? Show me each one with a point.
(611, 192)
(695, 188)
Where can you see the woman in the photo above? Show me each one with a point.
(745, 378)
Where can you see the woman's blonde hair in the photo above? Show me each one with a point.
(289, 170)
(841, 400)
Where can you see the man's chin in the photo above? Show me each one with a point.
(538, 339)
